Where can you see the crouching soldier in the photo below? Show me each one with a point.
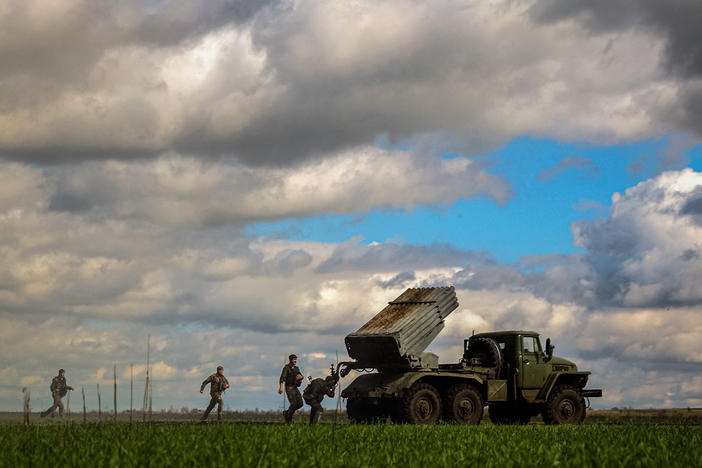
(218, 385)
(315, 392)
(59, 389)
(291, 379)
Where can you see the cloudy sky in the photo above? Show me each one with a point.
(246, 179)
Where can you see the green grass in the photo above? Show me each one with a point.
(348, 445)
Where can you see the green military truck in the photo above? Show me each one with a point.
(507, 371)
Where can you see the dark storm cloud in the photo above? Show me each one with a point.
(66, 39)
(678, 21)
(272, 84)
(585, 165)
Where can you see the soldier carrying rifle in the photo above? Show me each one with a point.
(218, 385)
(291, 379)
(59, 389)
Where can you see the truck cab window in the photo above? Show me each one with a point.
(529, 344)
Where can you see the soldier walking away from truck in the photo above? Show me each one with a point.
(315, 392)
(59, 389)
(218, 385)
(290, 380)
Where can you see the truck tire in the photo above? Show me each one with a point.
(565, 405)
(421, 404)
(362, 411)
(464, 404)
(486, 351)
(508, 414)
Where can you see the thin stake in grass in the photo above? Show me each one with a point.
(68, 405)
(85, 414)
(25, 390)
(99, 404)
(146, 385)
(151, 392)
(131, 393)
(114, 375)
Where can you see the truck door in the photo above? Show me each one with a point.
(534, 370)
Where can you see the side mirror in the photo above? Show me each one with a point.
(549, 349)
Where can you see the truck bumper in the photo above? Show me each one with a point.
(592, 392)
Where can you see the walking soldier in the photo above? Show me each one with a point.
(59, 389)
(315, 392)
(291, 379)
(218, 385)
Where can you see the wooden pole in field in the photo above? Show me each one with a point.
(151, 393)
(131, 393)
(85, 416)
(99, 404)
(114, 376)
(146, 385)
(68, 405)
(26, 406)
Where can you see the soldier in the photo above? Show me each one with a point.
(218, 384)
(314, 394)
(291, 378)
(59, 389)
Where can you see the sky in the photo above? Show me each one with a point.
(245, 180)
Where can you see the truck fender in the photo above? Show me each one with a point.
(575, 379)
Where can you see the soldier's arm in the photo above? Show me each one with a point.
(226, 382)
(283, 374)
(205, 382)
(329, 390)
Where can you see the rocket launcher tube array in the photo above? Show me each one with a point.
(399, 334)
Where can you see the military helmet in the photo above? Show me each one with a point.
(332, 379)
(292, 356)
(61, 371)
(219, 368)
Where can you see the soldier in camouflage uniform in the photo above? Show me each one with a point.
(218, 384)
(291, 379)
(59, 389)
(315, 392)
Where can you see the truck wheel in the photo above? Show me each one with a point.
(464, 404)
(362, 411)
(565, 405)
(422, 404)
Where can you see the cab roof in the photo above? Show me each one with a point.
(506, 333)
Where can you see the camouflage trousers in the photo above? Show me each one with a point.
(57, 404)
(216, 400)
(295, 400)
(316, 409)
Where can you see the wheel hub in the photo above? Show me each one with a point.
(424, 408)
(566, 409)
(465, 407)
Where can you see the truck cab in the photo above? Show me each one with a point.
(533, 373)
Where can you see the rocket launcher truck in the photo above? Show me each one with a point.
(507, 371)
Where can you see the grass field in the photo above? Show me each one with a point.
(256, 444)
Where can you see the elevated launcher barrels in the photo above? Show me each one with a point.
(398, 335)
